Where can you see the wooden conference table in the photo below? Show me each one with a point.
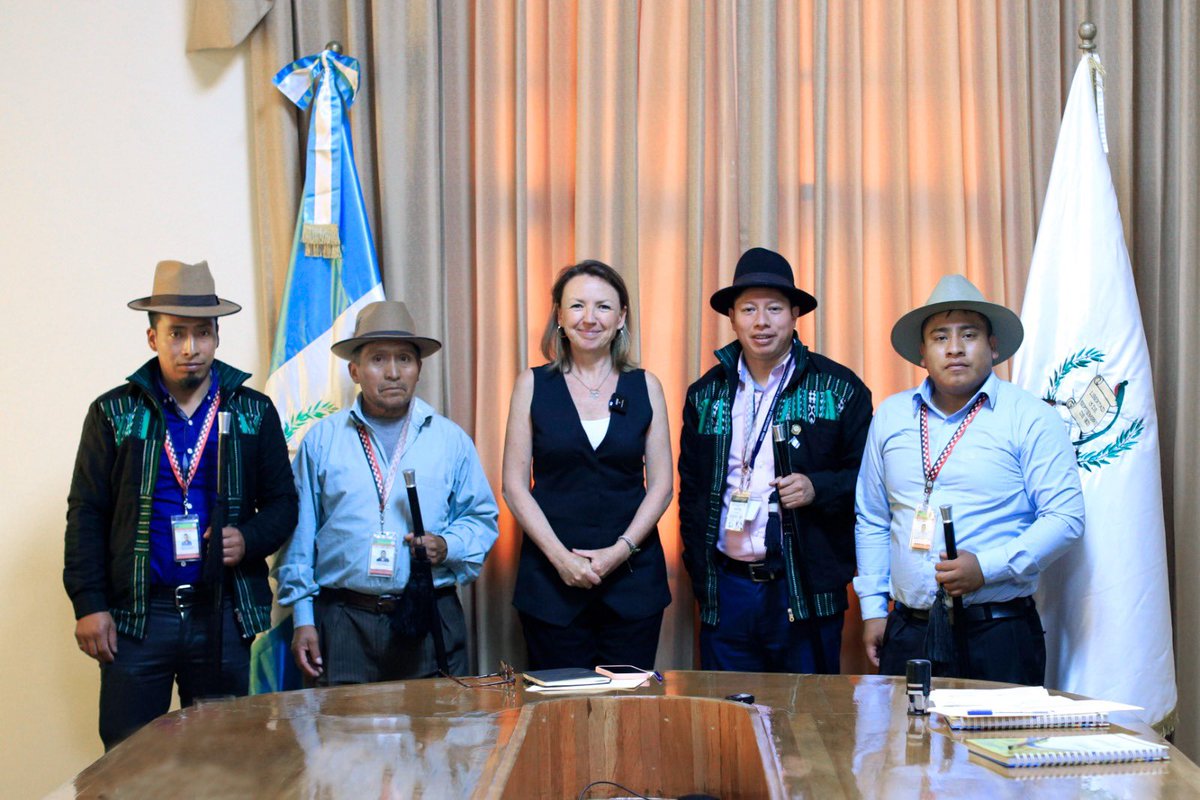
(807, 736)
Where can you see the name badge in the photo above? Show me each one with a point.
(383, 555)
(739, 510)
(185, 534)
(924, 520)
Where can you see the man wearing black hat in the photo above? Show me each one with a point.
(138, 515)
(994, 456)
(770, 550)
(347, 572)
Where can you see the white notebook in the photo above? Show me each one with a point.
(1069, 751)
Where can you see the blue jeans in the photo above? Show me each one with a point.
(753, 633)
(136, 687)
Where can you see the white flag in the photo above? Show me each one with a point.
(1104, 604)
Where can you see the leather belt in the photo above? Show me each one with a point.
(756, 571)
(184, 596)
(375, 603)
(979, 612)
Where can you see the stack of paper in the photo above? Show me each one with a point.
(1020, 707)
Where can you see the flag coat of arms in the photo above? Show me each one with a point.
(333, 271)
(1104, 604)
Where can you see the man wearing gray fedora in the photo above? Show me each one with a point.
(1003, 463)
(346, 569)
(142, 496)
(769, 542)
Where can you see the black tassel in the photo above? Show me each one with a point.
(939, 636)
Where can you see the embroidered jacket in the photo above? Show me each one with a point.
(107, 564)
(832, 409)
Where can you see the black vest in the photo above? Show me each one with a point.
(589, 497)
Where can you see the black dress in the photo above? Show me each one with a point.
(589, 496)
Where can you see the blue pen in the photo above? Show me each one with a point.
(979, 712)
(658, 676)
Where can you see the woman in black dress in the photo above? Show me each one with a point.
(592, 430)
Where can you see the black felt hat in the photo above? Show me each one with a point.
(762, 268)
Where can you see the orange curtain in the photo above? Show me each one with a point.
(878, 145)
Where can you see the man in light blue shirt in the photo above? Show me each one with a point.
(345, 569)
(1000, 457)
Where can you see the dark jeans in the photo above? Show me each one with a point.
(1011, 650)
(136, 687)
(358, 645)
(595, 638)
(753, 633)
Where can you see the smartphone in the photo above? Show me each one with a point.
(623, 671)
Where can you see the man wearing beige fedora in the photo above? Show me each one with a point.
(142, 495)
(346, 569)
(1001, 460)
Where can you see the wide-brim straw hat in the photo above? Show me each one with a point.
(184, 290)
(762, 268)
(386, 320)
(956, 293)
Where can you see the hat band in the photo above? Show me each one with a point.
(387, 335)
(183, 300)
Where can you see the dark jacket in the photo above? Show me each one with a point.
(832, 409)
(107, 565)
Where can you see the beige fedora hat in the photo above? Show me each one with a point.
(382, 321)
(956, 293)
(184, 290)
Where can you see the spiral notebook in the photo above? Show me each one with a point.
(1020, 707)
(1069, 751)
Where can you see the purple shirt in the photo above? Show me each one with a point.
(168, 496)
(750, 543)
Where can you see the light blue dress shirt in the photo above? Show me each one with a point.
(1011, 480)
(339, 507)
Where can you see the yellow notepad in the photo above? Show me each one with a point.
(1055, 751)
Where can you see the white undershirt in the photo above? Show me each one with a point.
(595, 430)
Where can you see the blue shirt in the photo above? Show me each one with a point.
(339, 507)
(1011, 479)
(168, 496)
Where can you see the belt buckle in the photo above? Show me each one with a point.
(183, 603)
(386, 603)
(759, 572)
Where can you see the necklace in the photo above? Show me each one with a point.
(594, 393)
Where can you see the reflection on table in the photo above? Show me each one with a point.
(805, 736)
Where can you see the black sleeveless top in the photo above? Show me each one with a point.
(589, 497)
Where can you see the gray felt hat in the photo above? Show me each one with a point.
(956, 293)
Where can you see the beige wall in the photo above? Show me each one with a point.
(118, 150)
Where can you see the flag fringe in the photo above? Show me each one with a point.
(1165, 727)
(321, 241)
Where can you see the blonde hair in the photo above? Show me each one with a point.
(555, 346)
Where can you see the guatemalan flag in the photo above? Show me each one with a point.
(1104, 604)
(333, 271)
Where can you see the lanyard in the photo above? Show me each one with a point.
(933, 469)
(173, 459)
(748, 466)
(383, 487)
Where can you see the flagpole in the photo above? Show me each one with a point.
(1087, 36)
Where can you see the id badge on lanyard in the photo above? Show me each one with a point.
(185, 527)
(185, 535)
(383, 554)
(924, 517)
(743, 507)
(381, 562)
